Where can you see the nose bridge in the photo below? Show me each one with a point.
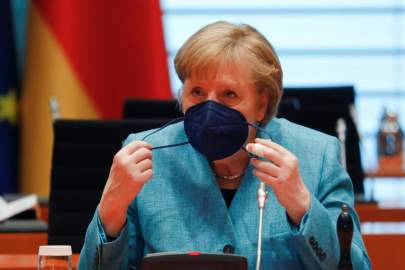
(213, 95)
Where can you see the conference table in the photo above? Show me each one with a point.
(381, 212)
(384, 242)
(26, 261)
(383, 229)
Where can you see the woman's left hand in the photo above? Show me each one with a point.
(282, 175)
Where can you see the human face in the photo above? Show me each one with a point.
(229, 85)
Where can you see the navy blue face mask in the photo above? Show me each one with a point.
(215, 130)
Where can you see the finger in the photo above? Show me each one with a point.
(146, 175)
(272, 145)
(266, 167)
(256, 149)
(144, 165)
(266, 152)
(141, 154)
(269, 180)
(134, 146)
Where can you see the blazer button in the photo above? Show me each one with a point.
(312, 241)
(229, 249)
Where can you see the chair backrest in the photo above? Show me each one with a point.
(141, 108)
(320, 108)
(82, 154)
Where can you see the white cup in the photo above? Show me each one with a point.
(55, 258)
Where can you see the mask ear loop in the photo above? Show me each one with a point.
(257, 127)
(162, 127)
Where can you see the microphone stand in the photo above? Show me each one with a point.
(261, 200)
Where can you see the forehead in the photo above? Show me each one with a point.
(231, 72)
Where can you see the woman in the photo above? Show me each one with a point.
(198, 192)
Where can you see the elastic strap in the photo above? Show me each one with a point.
(162, 127)
(260, 128)
(176, 120)
(257, 127)
(170, 145)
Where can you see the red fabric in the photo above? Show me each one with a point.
(116, 48)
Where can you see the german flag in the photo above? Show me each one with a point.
(90, 55)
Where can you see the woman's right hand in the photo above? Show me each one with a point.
(130, 170)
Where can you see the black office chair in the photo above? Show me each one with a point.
(320, 108)
(144, 109)
(82, 154)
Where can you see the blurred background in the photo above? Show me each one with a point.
(90, 55)
(80, 60)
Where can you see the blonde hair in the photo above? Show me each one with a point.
(224, 42)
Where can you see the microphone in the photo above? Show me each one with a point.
(345, 234)
(261, 200)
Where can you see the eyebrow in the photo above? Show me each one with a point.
(223, 83)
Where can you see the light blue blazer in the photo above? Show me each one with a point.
(182, 209)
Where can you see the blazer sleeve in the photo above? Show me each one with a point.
(124, 252)
(316, 237)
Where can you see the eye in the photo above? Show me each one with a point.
(229, 93)
(197, 91)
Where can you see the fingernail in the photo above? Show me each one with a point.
(263, 140)
(257, 149)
